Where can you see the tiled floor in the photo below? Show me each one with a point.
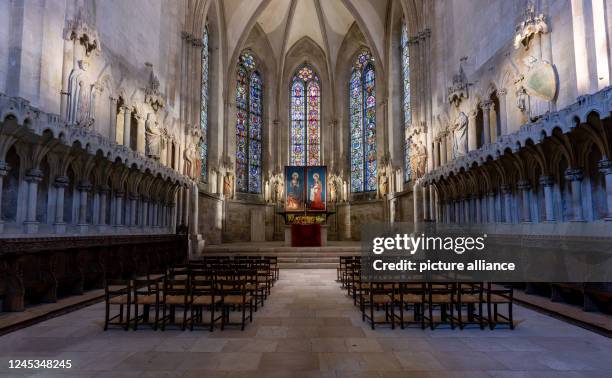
(309, 328)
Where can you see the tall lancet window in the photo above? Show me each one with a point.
(204, 107)
(305, 118)
(407, 110)
(362, 124)
(249, 120)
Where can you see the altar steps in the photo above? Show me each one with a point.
(291, 257)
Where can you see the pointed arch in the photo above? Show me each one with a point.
(305, 117)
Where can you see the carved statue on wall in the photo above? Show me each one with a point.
(333, 189)
(79, 96)
(383, 184)
(460, 135)
(279, 189)
(418, 160)
(228, 183)
(152, 138)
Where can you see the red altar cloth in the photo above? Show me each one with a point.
(305, 235)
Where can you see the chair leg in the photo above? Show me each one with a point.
(212, 317)
(452, 318)
(489, 317)
(107, 312)
(156, 316)
(431, 324)
(510, 317)
(164, 319)
(458, 316)
(127, 318)
(136, 316)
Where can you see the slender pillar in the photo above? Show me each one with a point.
(119, 208)
(491, 207)
(478, 209)
(133, 201)
(503, 112)
(605, 167)
(33, 177)
(525, 187)
(4, 169)
(443, 149)
(112, 118)
(548, 182)
(425, 203)
(466, 210)
(144, 212)
(507, 196)
(127, 122)
(436, 157)
(486, 120)
(574, 176)
(84, 188)
(103, 191)
(472, 132)
(140, 137)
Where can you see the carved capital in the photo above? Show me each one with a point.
(547, 180)
(119, 193)
(506, 189)
(523, 184)
(573, 174)
(104, 189)
(134, 196)
(61, 181)
(605, 167)
(486, 105)
(34, 175)
(4, 168)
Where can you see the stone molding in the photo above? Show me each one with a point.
(565, 119)
(37, 122)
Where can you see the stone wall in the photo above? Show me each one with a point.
(238, 220)
(362, 213)
(210, 218)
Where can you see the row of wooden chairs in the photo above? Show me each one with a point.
(218, 285)
(431, 303)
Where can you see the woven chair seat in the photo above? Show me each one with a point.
(380, 298)
(120, 299)
(470, 298)
(175, 299)
(205, 300)
(147, 299)
(236, 299)
(413, 298)
(497, 299)
(441, 298)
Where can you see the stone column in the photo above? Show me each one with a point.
(4, 169)
(524, 186)
(113, 119)
(548, 182)
(140, 137)
(103, 191)
(503, 113)
(133, 201)
(472, 132)
(60, 183)
(84, 188)
(486, 120)
(466, 210)
(605, 167)
(491, 207)
(33, 177)
(478, 208)
(119, 208)
(574, 176)
(127, 122)
(119, 125)
(144, 212)
(436, 157)
(507, 196)
(443, 153)
(425, 203)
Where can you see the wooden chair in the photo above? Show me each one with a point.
(470, 295)
(204, 296)
(146, 293)
(175, 294)
(441, 296)
(495, 296)
(411, 295)
(373, 296)
(234, 296)
(118, 292)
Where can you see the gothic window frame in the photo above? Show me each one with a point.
(249, 114)
(406, 98)
(362, 124)
(308, 79)
(204, 100)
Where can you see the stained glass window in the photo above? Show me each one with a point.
(362, 123)
(407, 110)
(305, 117)
(204, 107)
(249, 124)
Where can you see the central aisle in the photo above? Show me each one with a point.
(310, 328)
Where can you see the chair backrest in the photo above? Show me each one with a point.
(203, 286)
(176, 286)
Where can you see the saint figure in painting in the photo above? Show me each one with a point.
(316, 193)
(295, 193)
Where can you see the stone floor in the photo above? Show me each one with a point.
(309, 328)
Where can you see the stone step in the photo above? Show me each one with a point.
(310, 265)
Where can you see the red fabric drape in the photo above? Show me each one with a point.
(305, 235)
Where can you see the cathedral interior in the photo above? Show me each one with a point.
(136, 136)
